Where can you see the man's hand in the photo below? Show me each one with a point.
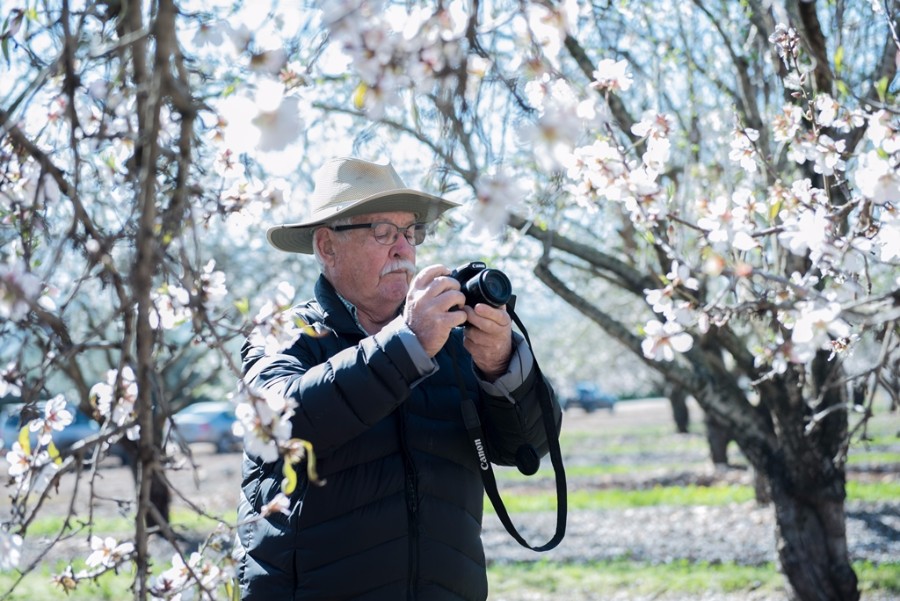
(428, 307)
(488, 338)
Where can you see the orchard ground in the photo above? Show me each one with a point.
(636, 491)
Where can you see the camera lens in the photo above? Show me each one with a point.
(494, 287)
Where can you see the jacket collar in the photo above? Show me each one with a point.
(336, 311)
(335, 314)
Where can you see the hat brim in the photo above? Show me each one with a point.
(298, 237)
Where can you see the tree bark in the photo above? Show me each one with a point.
(680, 412)
(718, 437)
(812, 545)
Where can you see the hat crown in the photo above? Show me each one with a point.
(346, 180)
(347, 187)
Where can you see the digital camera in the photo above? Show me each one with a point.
(481, 284)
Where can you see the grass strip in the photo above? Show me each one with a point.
(182, 519)
(622, 579)
(545, 500)
(672, 495)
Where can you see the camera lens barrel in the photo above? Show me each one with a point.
(489, 286)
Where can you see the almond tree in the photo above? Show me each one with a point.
(118, 202)
(733, 166)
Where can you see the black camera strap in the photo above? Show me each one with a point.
(527, 459)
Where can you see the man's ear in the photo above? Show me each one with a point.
(323, 240)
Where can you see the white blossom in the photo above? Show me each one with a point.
(827, 110)
(878, 178)
(280, 126)
(20, 461)
(662, 341)
(786, 125)
(828, 155)
(596, 171)
(280, 504)
(810, 231)
(265, 418)
(56, 417)
(612, 75)
(10, 550)
(814, 328)
(497, 194)
(117, 405)
(743, 150)
(655, 127)
(554, 135)
(17, 289)
(107, 552)
(883, 131)
(888, 238)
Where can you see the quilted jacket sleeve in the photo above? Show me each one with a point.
(340, 390)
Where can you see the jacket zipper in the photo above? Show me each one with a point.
(412, 505)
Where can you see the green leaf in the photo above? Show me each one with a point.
(881, 87)
(359, 95)
(289, 484)
(774, 209)
(311, 472)
(838, 59)
(54, 453)
(25, 440)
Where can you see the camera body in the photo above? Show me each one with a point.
(481, 284)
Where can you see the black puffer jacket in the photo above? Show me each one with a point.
(400, 515)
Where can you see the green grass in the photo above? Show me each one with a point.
(857, 457)
(672, 495)
(873, 491)
(600, 579)
(38, 585)
(620, 499)
(622, 577)
(182, 519)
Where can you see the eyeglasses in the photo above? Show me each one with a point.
(387, 233)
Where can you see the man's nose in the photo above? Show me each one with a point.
(402, 247)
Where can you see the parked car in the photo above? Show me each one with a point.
(589, 397)
(210, 422)
(81, 427)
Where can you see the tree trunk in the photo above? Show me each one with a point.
(718, 437)
(160, 494)
(812, 546)
(680, 412)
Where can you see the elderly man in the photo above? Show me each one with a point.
(378, 394)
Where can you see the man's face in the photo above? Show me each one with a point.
(373, 276)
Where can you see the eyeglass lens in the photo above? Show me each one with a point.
(386, 233)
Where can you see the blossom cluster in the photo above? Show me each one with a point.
(18, 288)
(176, 305)
(33, 467)
(115, 400)
(34, 462)
(210, 568)
(265, 422)
(394, 50)
(106, 554)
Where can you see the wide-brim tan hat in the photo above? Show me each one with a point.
(348, 186)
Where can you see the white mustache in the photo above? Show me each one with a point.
(400, 265)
